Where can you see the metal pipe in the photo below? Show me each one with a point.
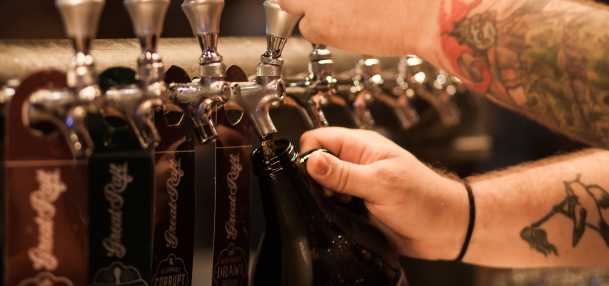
(18, 58)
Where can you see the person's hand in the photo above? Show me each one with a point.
(424, 213)
(387, 27)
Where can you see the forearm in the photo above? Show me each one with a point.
(564, 198)
(547, 59)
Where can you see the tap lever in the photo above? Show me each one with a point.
(204, 17)
(279, 27)
(80, 19)
(147, 17)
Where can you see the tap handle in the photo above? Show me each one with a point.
(80, 19)
(279, 27)
(147, 17)
(204, 17)
(279, 23)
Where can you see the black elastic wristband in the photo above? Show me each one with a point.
(471, 223)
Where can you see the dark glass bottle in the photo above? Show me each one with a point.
(311, 240)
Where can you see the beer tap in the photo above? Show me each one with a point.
(67, 109)
(368, 89)
(419, 78)
(199, 100)
(317, 90)
(257, 97)
(137, 103)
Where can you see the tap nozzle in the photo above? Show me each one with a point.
(63, 111)
(256, 99)
(81, 18)
(132, 104)
(198, 102)
(204, 17)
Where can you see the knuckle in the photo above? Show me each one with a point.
(343, 174)
(385, 175)
(309, 30)
(371, 133)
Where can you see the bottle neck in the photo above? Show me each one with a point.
(273, 156)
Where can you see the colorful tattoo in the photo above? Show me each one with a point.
(548, 59)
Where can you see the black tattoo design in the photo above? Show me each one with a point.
(580, 215)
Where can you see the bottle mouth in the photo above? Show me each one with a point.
(273, 155)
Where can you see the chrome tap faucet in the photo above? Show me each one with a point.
(419, 78)
(257, 97)
(368, 87)
(67, 109)
(137, 103)
(318, 89)
(198, 100)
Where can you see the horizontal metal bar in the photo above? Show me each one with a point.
(18, 58)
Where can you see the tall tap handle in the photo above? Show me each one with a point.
(80, 19)
(204, 15)
(279, 23)
(147, 17)
(279, 27)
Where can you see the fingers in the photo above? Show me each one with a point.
(348, 144)
(295, 7)
(340, 176)
(309, 32)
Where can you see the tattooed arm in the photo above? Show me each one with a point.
(551, 213)
(547, 59)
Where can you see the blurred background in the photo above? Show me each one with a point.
(511, 138)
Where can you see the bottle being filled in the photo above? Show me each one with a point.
(309, 240)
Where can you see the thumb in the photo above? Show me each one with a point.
(340, 176)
